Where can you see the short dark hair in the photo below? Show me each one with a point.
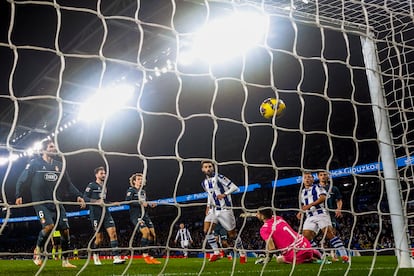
(206, 162)
(266, 212)
(321, 171)
(307, 172)
(98, 169)
(45, 143)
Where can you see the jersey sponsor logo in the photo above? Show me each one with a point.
(50, 177)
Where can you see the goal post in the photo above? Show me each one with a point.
(391, 179)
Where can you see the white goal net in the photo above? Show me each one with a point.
(158, 86)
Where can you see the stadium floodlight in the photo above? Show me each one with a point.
(105, 102)
(225, 38)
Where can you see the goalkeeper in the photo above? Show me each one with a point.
(278, 235)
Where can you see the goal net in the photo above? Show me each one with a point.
(158, 86)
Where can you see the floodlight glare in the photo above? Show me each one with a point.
(227, 37)
(106, 102)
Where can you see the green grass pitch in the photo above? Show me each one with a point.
(382, 265)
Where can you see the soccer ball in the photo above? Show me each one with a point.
(272, 107)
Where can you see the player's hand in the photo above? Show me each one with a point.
(81, 201)
(299, 215)
(306, 207)
(145, 204)
(221, 196)
(19, 201)
(338, 213)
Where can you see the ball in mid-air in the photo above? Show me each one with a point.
(272, 107)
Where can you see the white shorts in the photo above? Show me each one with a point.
(317, 222)
(184, 244)
(224, 217)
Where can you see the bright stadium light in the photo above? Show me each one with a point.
(106, 102)
(226, 38)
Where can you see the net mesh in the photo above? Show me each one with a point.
(57, 54)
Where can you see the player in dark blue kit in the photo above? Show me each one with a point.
(95, 193)
(139, 216)
(42, 175)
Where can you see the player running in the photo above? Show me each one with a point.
(95, 193)
(138, 214)
(42, 175)
(219, 189)
(280, 236)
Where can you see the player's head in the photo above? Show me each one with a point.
(182, 225)
(100, 174)
(308, 179)
(136, 180)
(264, 214)
(323, 177)
(48, 147)
(207, 167)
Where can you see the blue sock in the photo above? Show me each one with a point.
(338, 245)
(114, 246)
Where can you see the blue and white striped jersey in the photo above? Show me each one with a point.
(183, 235)
(219, 184)
(310, 195)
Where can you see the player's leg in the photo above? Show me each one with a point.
(47, 219)
(326, 225)
(226, 246)
(113, 239)
(152, 240)
(310, 229)
(63, 226)
(336, 242)
(184, 245)
(98, 239)
(228, 221)
(210, 222)
(110, 227)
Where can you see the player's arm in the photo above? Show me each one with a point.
(87, 194)
(322, 198)
(338, 195)
(189, 236)
(231, 187)
(176, 236)
(24, 178)
(72, 190)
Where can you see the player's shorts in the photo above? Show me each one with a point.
(107, 222)
(221, 232)
(317, 222)
(48, 215)
(224, 217)
(56, 240)
(184, 244)
(143, 222)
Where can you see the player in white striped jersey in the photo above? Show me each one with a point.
(313, 199)
(183, 234)
(219, 189)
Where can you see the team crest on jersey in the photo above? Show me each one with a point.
(56, 168)
(43, 168)
(88, 189)
(27, 166)
(129, 193)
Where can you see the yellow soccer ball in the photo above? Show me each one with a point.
(272, 107)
